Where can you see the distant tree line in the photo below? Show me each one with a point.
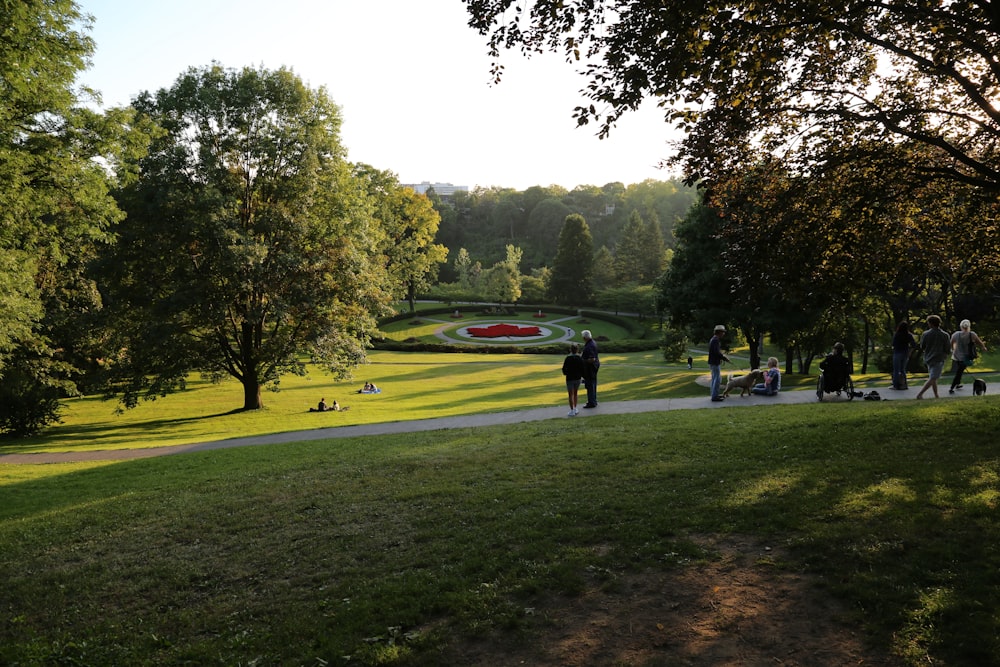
(485, 221)
(589, 246)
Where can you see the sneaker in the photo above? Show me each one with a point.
(951, 391)
(571, 413)
(590, 405)
(718, 399)
(959, 386)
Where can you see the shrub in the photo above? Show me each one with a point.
(674, 344)
(26, 404)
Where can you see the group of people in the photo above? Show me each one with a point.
(369, 388)
(582, 366)
(935, 344)
(772, 376)
(325, 407)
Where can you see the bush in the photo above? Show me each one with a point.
(26, 405)
(674, 344)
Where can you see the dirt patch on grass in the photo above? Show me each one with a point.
(740, 608)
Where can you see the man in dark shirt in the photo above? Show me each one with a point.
(715, 359)
(591, 363)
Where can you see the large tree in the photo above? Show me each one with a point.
(694, 292)
(742, 71)
(409, 224)
(248, 243)
(58, 162)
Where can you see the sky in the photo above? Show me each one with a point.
(411, 77)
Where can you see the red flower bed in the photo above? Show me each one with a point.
(501, 330)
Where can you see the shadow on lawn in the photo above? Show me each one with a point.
(85, 433)
(896, 514)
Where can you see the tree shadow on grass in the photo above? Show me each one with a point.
(82, 434)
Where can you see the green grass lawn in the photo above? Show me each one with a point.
(414, 386)
(308, 553)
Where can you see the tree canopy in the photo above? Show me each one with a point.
(571, 281)
(59, 161)
(409, 223)
(248, 241)
(779, 73)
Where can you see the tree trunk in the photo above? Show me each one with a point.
(251, 395)
(864, 357)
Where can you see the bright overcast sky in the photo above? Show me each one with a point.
(411, 78)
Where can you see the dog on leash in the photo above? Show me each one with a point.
(979, 387)
(744, 382)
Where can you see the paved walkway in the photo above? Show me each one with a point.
(464, 421)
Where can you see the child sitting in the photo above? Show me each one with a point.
(772, 379)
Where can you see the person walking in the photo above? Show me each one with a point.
(902, 343)
(715, 359)
(935, 345)
(592, 363)
(963, 351)
(573, 368)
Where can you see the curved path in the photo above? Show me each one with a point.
(459, 421)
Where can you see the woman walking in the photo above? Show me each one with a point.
(902, 343)
(963, 350)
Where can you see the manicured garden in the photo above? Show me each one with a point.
(434, 325)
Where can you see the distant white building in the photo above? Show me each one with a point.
(443, 190)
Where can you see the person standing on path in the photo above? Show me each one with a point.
(902, 343)
(573, 368)
(592, 363)
(963, 351)
(935, 345)
(715, 359)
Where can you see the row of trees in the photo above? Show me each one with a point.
(638, 259)
(485, 221)
(839, 255)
